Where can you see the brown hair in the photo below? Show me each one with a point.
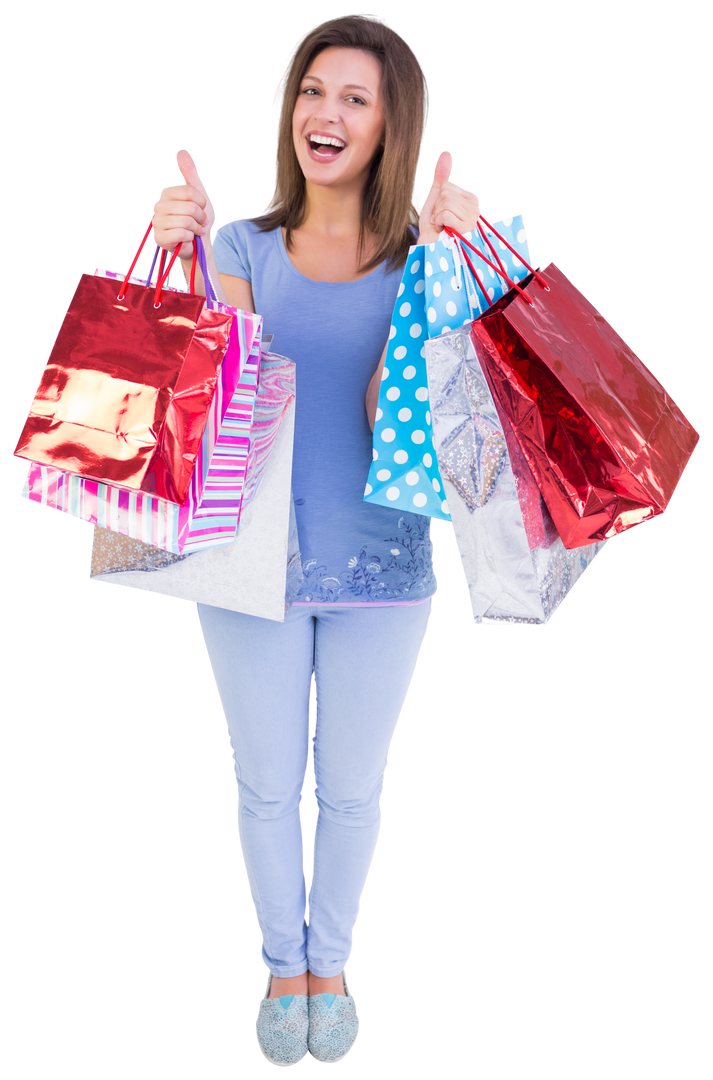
(387, 211)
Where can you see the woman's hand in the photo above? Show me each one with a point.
(183, 212)
(446, 204)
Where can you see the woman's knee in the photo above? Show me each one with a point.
(350, 801)
(266, 800)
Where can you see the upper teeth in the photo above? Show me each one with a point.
(325, 140)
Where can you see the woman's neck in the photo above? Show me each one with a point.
(333, 212)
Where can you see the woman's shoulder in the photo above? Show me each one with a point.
(249, 227)
(242, 237)
(240, 248)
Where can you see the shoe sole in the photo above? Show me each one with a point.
(278, 1065)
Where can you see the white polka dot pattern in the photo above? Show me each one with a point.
(431, 298)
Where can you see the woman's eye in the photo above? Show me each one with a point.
(359, 101)
(310, 90)
(317, 91)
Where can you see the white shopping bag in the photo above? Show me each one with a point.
(260, 573)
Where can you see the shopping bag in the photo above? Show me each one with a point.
(209, 515)
(515, 563)
(604, 441)
(431, 300)
(259, 573)
(126, 392)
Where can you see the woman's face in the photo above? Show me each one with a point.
(338, 122)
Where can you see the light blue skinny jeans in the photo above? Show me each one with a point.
(362, 659)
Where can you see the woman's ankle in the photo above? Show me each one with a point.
(333, 985)
(296, 984)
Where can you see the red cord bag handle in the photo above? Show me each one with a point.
(161, 274)
(499, 269)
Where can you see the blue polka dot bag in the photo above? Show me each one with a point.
(432, 300)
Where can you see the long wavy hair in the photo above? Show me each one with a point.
(387, 212)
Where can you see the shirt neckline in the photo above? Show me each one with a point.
(280, 240)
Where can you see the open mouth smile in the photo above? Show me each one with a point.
(320, 150)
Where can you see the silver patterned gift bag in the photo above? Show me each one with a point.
(516, 566)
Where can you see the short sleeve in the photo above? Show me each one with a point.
(231, 251)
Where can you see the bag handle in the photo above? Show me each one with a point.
(463, 254)
(198, 257)
(499, 269)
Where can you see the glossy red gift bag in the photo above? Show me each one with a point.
(604, 441)
(126, 392)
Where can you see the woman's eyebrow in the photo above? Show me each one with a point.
(347, 86)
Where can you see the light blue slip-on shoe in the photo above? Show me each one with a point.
(333, 1025)
(282, 1026)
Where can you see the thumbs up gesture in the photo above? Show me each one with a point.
(183, 212)
(446, 204)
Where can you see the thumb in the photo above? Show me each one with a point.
(443, 169)
(189, 173)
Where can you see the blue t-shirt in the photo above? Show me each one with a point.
(352, 552)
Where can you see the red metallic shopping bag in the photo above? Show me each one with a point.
(126, 392)
(604, 441)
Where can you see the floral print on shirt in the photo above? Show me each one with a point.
(397, 568)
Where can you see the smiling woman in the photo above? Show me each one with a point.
(323, 267)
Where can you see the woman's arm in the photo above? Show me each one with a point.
(372, 392)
